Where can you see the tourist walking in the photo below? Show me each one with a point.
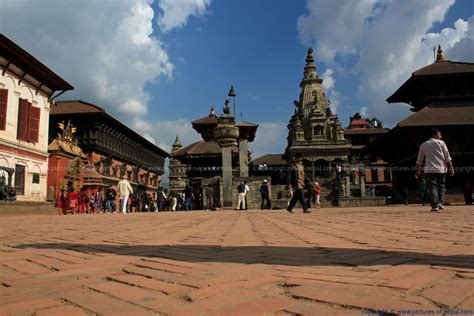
(111, 194)
(210, 198)
(247, 190)
(188, 197)
(317, 193)
(61, 202)
(265, 194)
(160, 198)
(297, 181)
(124, 191)
(97, 200)
(173, 200)
(83, 201)
(241, 195)
(435, 161)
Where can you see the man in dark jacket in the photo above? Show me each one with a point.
(297, 180)
(265, 193)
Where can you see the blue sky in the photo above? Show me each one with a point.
(158, 64)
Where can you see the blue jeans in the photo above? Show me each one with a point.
(298, 195)
(436, 188)
(188, 204)
(111, 205)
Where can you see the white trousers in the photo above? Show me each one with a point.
(241, 200)
(174, 201)
(124, 203)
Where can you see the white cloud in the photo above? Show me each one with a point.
(328, 79)
(336, 26)
(364, 111)
(270, 138)
(329, 83)
(105, 49)
(176, 12)
(388, 41)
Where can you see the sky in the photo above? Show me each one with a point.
(156, 65)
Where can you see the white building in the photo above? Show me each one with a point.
(26, 90)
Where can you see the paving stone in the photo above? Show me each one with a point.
(101, 303)
(333, 262)
(421, 278)
(439, 294)
(61, 311)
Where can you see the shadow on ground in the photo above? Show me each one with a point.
(292, 256)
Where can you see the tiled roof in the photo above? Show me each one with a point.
(452, 113)
(75, 106)
(270, 160)
(202, 148)
(210, 119)
(445, 67)
(355, 131)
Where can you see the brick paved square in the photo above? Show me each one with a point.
(332, 262)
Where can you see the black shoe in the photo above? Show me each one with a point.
(289, 211)
(307, 211)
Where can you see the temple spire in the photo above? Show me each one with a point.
(310, 72)
(177, 144)
(440, 55)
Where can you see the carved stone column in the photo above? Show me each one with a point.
(243, 157)
(347, 179)
(226, 134)
(362, 179)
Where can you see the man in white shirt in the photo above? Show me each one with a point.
(435, 161)
(124, 190)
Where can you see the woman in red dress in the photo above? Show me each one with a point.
(72, 200)
(61, 202)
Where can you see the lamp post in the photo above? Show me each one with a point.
(232, 94)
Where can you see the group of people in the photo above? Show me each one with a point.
(7, 193)
(105, 200)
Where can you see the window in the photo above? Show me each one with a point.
(3, 108)
(28, 122)
(20, 179)
(36, 178)
(374, 173)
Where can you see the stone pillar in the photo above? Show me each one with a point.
(312, 170)
(227, 175)
(243, 157)
(342, 188)
(226, 134)
(362, 184)
(348, 185)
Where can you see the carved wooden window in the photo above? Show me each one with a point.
(28, 122)
(23, 113)
(34, 124)
(3, 108)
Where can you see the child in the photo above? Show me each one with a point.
(72, 200)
